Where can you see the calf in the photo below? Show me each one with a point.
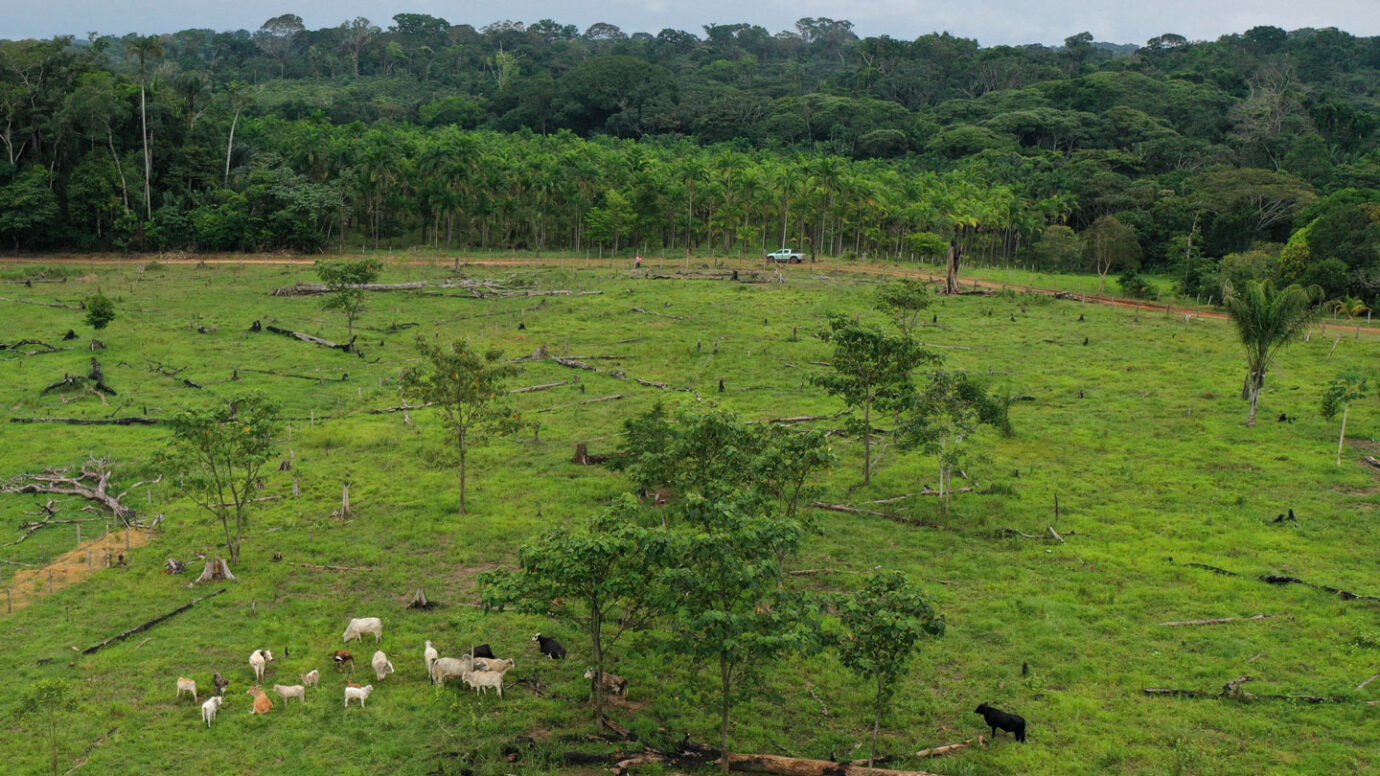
(311, 678)
(996, 718)
(262, 705)
(355, 691)
(343, 656)
(221, 683)
(186, 685)
(550, 647)
(290, 691)
(208, 709)
(382, 665)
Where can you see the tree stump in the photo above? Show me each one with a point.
(419, 601)
(581, 454)
(174, 566)
(216, 569)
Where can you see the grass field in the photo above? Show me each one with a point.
(1131, 419)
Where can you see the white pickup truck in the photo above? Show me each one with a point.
(786, 256)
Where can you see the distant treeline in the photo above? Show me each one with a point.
(1253, 154)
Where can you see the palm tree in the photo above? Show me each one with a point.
(145, 48)
(1267, 318)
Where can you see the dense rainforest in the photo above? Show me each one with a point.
(1255, 154)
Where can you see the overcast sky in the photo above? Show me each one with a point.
(991, 22)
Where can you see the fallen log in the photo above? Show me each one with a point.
(93, 421)
(542, 387)
(659, 315)
(795, 766)
(1218, 620)
(23, 342)
(939, 751)
(321, 567)
(1345, 595)
(799, 419)
(348, 347)
(612, 397)
(895, 518)
(1375, 462)
(44, 304)
(154, 366)
(91, 484)
(317, 379)
(98, 377)
(315, 289)
(1213, 569)
(149, 624)
(67, 381)
(1362, 685)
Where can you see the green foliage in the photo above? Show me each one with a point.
(467, 387)
(600, 577)
(884, 624)
(1266, 319)
(343, 277)
(50, 700)
(872, 369)
(904, 301)
(1134, 286)
(1341, 392)
(100, 311)
(218, 455)
(941, 418)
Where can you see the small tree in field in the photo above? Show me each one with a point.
(48, 700)
(1340, 394)
(343, 278)
(885, 622)
(600, 579)
(219, 453)
(950, 409)
(904, 301)
(871, 370)
(1267, 318)
(467, 386)
(100, 311)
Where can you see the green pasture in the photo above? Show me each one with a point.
(1133, 421)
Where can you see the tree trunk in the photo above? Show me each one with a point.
(723, 717)
(230, 146)
(794, 766)
(148, 159)
(462, 472)
(951, 276)
(1342, 439)
(867, 442)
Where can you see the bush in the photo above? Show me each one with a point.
(1134, 285)
(100, 311)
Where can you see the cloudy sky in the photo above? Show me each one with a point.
(991, 22)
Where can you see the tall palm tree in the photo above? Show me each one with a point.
(1267, 318)
(145, 48)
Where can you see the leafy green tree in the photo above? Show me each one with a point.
(28, 207)
(600, 578)
(467, 386)
(871, 370)
(726, 602)
(1266, 319)
(1109, 244)
(219, 454)
(49, 700)
(904, 301)
(344, 278)
(885, 622)
(100, 311)
(1341, 393)
(944, 415)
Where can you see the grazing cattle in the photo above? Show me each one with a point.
(355, 691)
(262, 705)
(362, 625)
(996, 718)
(493, 664)
(382, 665)
(311, 678)
(259, 662)
(613, 683)
(482, 680)
(208, 709)
(221, 683)
(430, 655)
(286, 691)
(343, 656)
(450, 668)
(550, 647)
(482, 651)
(186, 685)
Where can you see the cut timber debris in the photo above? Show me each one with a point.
(348, 347)
(1232, 691)
(895, 518)
(149, 624)
(1219, 620)
(332, 568)
(659, 315)
(419, 601)
(794, 766)
(216, 569)
(91, 484)
(612, 397)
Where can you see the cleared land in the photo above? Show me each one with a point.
(1138, 432)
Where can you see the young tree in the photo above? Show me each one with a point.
(219, 453)
(950, 409)
(723, 582)
(1108, 244)
(1266, 318)
(467, 387)
(343, 278)
(1341, 393)
(871, 370)
(599, 578)
(49, 699)
(885, 622)
(100, 311)
(904, 301)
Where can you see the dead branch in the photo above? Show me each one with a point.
(1213, 569)
(85, 756)
(542, 387)
(317, 379)
(871, 513)
(93, 421)
(1362, 685)
(68, 381)
(149, 624)
(809, 572)
(795, 766)
(799, 419)
(154, 366)
(90, 484)
(348, 347)
(23, 342)
(403, 408)
(1343, 594)
(939, 751)
(659, 315)
(1375, 462)
(1218, 620)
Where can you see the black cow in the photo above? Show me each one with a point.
(996, 718)
(550, 647)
